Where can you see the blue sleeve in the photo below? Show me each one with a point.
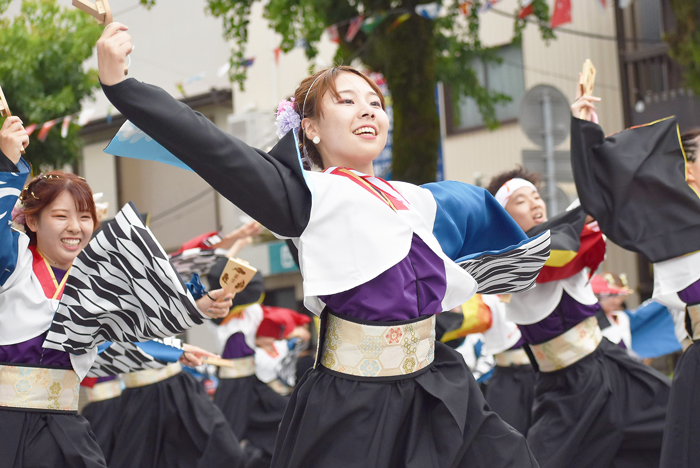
(470, 221)
(196, 287)
(160, 350)
(11, 184)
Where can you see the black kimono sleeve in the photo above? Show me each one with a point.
(268, 187)
(633, 183)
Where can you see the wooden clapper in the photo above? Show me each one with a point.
(235, 277)
(587, 82)
(100, 10)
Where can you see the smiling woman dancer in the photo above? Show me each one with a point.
(39, 424)
(383, 393)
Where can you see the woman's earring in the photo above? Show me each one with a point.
(316, 140)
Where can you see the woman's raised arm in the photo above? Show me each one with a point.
(268, 187)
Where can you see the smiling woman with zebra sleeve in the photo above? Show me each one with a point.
(39, 376)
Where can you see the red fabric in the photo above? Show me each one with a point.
(602, 288)
(88, 382)
(562, 13)
(590, 254)
(197, 242)
(43, 274)
(526, 11)
(279, 322)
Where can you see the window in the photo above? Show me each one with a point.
(506, 77)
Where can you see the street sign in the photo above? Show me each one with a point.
(535, 161)
(531, 115)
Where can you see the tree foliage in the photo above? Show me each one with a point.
(41, 72)
(412, 55)
(685, 40)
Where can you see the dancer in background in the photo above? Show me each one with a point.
(378, 262)
(594, 404)
(642, 186)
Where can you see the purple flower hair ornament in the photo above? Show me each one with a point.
(287, 118)
(17, 216)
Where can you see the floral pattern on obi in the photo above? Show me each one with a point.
(39, 388)
(569, 347)
(374, 350)
(104, 391)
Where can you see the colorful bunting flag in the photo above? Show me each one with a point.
(354, 28)
(44, 131)
(223, 69)
(526, 9)
(65, 125)
(30, 128)
(562, 13)
(369, 24)
(109, 114)
(428, 10)
(333, 33)
(248, 62)
(465, 8)
(85, 116)
(277, 53)
(399, 21)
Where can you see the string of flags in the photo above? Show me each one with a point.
(82, 118)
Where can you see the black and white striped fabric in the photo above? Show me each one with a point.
(511, 271)
(121, 288)
(123, 358)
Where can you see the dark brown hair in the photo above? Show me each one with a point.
(308, 101)
(519, 172)
(690, 144)
(43, 190)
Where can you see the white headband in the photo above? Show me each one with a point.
(507, 189)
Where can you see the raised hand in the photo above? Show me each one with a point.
(112, 49)
(212, 304)
(13, 138)
(584, 105)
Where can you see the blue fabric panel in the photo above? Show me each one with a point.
(469, 221)
(160, 351)
(103, 346)
(11, 184)
(652, 330)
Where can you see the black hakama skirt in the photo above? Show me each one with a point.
(606, 410)
(433, 418)
(173, 424)
(35, 439)
(254, 411)
(681, 448)
(103, 418)
(510, 392)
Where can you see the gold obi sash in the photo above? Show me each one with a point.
(513, 357)
(39, 388)
(376, 350)
(236, 368)
(151, 376)
(569, 347)
(693, 312)
(280, 387)
(103, 391)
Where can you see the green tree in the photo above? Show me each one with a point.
(412, 55)
(685, 40)
(41, 72)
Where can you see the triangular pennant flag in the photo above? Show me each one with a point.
(223, 69)
(354, 28)
(85, 116)
(248, 62)
(400, 20)
(527, 9)
(562, 13)
(428, 10)
(333, 33)
(44, 131)
(465, 8)
(277, 52)
(65, 125)
(369, 24)
(30, 129)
